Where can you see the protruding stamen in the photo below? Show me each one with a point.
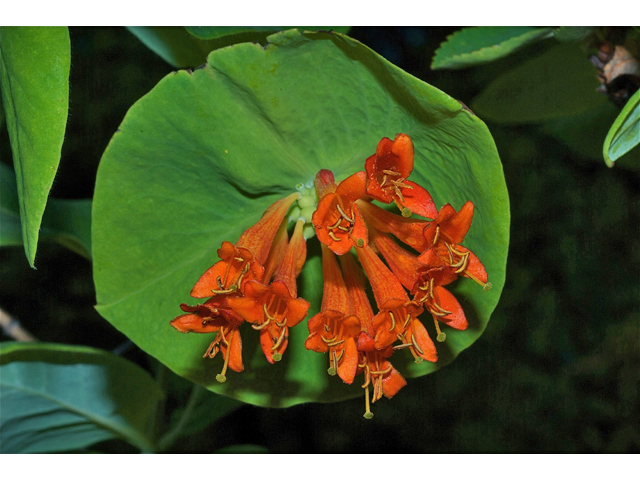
(382, 372)
(367, 414)
(221, 376)
(266, 312)
(260, 326)
(333, 237)
(485, 286)
(391, 172)
(441, 335)
(335, 225)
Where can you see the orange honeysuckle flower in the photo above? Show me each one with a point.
(443, 236)
(215, 316)
(396, 310)
(409, 231)
(423, 282)
(377, 370)
(337, 221)
(387, 173)
(245, 260)
(334, 330)
(274, 308)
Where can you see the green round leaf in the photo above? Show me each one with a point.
(61, 397)
(558, 83)
(478, 45)
(198, 160)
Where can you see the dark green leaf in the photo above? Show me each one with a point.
(185, 47)
(61, 397)
(211, 33)
(67, 222)
(477, 45)
(243, 449)
(561, 82)
(624, 134)
(584, 132)
(34, 77)
(198, 160)
(572, 34)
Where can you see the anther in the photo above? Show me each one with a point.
(382, 372)
(238, 259)
(280, 339)
(344, 215)
(327, 340)
(391, 172)
(333, 237)
(393, 321)
(415, 344)
(335, 225)
(266, 312)
(435, 237)
(261, 326)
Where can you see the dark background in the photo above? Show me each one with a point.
(558, 367)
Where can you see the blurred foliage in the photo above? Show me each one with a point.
(558, 367)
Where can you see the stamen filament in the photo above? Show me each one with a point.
(280, 339)
(221, 376)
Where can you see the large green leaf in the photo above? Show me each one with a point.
(477, 45)
(624, 134)
(34, 78)
(199, 158)
(67, 222)
(559, 83)
(61, 398)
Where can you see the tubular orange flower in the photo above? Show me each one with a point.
(409, 231)
(377, 370)
(387, 173)
(245, 260)
(424, 283)
(337, 221)
(273, 309)
(443, 235)
(396, 310)
(334, 330)
(215, 316)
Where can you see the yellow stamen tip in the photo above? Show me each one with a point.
(406, 212)
(368, 415)
(441, 337)
(419, 360)
(277, 357)
(487, 286)
(221, 378)
(331, 371)
(360, 243)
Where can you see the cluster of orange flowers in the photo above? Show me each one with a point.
(255, 279)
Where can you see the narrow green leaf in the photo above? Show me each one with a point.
(624, 134)
(558, 83)
(199, 158)
(67, 222)
(34, 78)
(60, 398)
(478, 45)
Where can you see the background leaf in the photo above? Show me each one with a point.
(478, 45)
(60, 397)
(185, 47)
(624, 134)
(67, 222)
(34, 78)
(572, 34)
(560, 82)
(198, 160)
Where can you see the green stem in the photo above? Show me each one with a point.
(171, 436)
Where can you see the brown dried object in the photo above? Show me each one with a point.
(618, 71)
